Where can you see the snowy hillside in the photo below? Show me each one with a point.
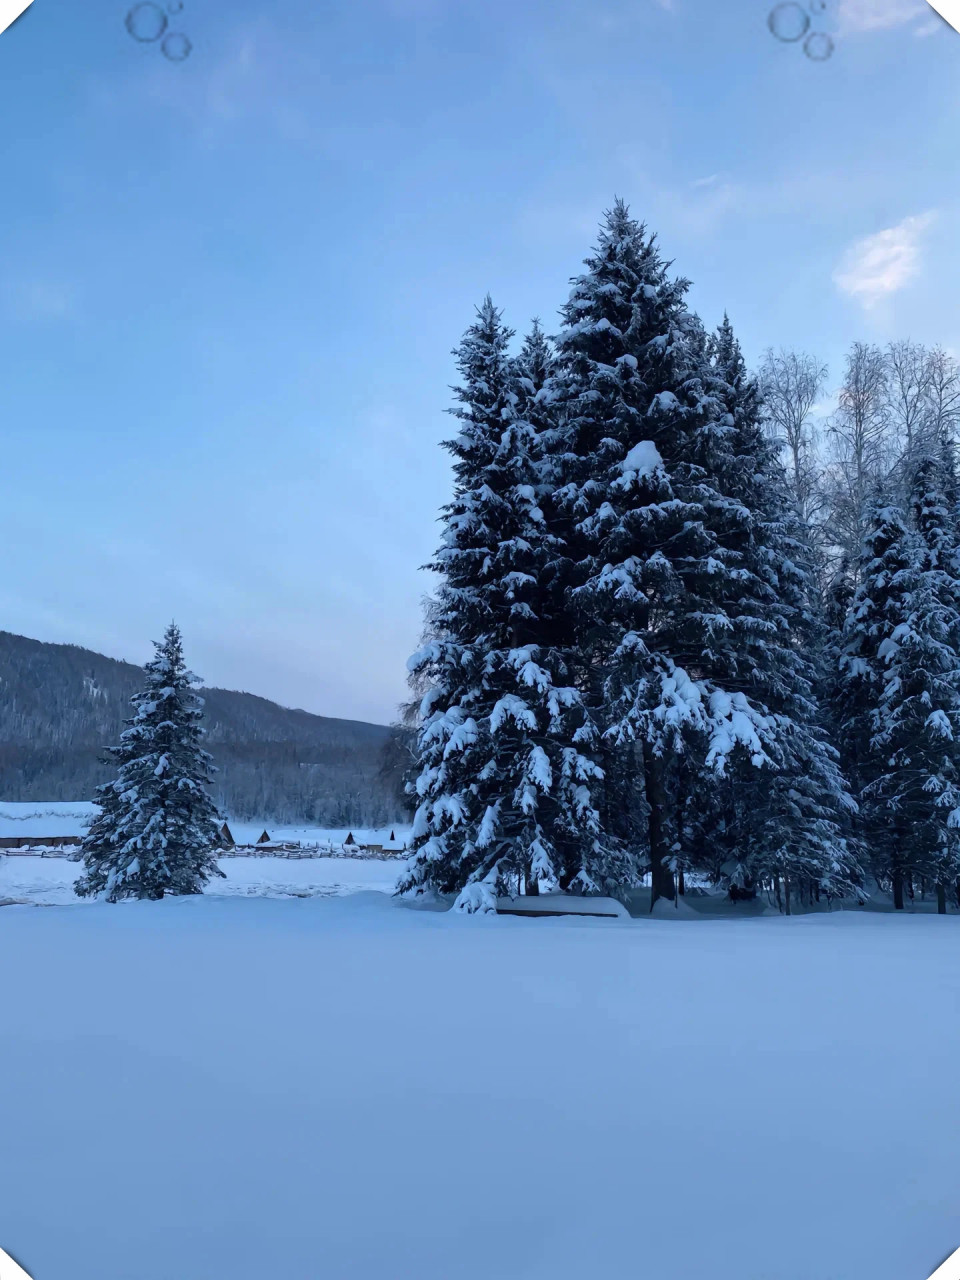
(352, 1088)
(60, 705)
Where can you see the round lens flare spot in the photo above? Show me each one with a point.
(818, 47)
(146, 22)
(175, 6)
(176, 47)
(789, 22)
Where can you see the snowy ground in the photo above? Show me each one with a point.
(351, 1088)
(250, 832)
(71, 817)
(49, 881)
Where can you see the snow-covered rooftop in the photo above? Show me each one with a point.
(45, 817)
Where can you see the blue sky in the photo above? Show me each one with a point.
(231, 285)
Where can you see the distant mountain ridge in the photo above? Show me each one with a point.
(60, 705)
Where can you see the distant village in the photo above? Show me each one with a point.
(55, 834)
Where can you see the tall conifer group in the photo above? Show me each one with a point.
(621, 676)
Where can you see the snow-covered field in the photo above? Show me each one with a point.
(71, 817)
(250, 832)
(349, 1087)
(49, 881)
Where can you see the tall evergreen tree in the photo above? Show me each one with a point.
(884, 637)
(626, 403)
(915, 742)
(790, 820)
(506, 746)
(157, 831)
(872, 613)
(680, 573)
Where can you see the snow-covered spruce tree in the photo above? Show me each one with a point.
(623, 358)
(790, 821)
(533, 369)
(872, 613)
(672, 575)
(912, 792)
(506, 746)
(880, 641)
(935, 485)
(158, 829)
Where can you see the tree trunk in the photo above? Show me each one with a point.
(897, 891)
(786, 896)
(661, 877)
(681, 883)
(941, 898)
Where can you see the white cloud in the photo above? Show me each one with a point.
(879, 15)
(882, 264)
(931, 28)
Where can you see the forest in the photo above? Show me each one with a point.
(62, 706)
(694, 622)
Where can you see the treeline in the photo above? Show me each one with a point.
(680, 631)
(876, 483)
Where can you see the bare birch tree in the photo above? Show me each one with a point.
(861, 445)
(943, 394)
(909, 385)
(792, 382)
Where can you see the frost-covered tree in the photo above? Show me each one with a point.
(901, 670)
(506, 746)
(861, 446)
(915, 788)
(628, 396)
(786, 818)
(157, 831)
(792, 383)
(682, 574)
(873, 612)
(533, 369)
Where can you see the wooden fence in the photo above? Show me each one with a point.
(71, 849)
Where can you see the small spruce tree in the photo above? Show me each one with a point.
(158, 830)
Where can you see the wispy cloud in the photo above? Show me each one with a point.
(40, 300)
(857, 16)
(879, 265)
(701, 206)
(932, 28)
(257, 78)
